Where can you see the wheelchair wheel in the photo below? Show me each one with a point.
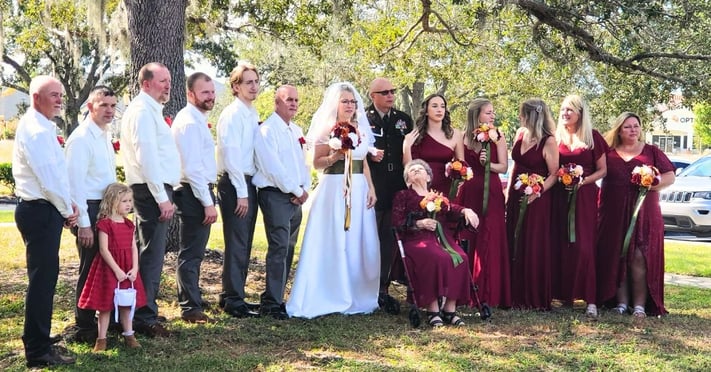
(485, 311)
(414, 317)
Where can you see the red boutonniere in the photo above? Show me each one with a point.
(60, 139)
(302, 141)
(169, 121)
(209, 126)
(117, 145)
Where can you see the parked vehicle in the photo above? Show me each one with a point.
(679, 163)
(686, 205)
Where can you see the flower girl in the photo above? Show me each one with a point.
(118, 261)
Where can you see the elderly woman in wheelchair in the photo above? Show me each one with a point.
(436, 266)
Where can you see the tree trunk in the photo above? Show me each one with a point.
(157, 34)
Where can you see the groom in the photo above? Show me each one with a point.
(282, 179)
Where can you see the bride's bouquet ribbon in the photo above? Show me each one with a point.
(432, 203)
(344, 138)
(486, 133)
(530, 184)
(570, 175)
(644, 176)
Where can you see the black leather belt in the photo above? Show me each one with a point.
(35, 201)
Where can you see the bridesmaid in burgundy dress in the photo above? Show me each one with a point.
(432, 271)
(490, 252)
(434, 141)
(638, 278)
(534, 151)
(573, 271)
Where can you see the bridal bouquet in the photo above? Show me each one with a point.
(530, 184)
(433, 203)
(486, 133)
(644, 177)
(344, 138)
(570, 176)
(458, 171)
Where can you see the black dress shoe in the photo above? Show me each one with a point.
(388, 303)
(53, 358)
(277, 312)
(241, 311)
(53, 339)
(252, 306)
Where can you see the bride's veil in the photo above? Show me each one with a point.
(325, 117)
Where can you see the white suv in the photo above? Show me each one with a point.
(686, 205)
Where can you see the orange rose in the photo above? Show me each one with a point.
(567, 179)
(456, 165)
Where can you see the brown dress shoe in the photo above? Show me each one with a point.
(196, 317)
(131, 342)
(100, 345)
(151, 330)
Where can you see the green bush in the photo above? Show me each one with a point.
(8, 180)
(6, 177)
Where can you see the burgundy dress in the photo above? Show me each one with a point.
(530, 266)
(98, 293)
(437, 156)
(489, 251)
(432, 272)
(617, 200)
(573, 267)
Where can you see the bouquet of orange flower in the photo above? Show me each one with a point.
(458, 171)
(644, 177)
(486, 133)
(433, 203)
(570, 176)
(530, 184)
(344, 138)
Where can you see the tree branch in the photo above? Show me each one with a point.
(21, 72)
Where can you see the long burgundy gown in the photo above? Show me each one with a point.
(437, 155)
(617, 200)
(530, 266)
(432, 272)
(489, 251)
(573, 267)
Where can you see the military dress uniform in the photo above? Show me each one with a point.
(389, 132)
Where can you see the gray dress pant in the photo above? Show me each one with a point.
(282, 220)
(152, 236)
(238, 233)
(193, 240)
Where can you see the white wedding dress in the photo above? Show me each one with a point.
(338, 271)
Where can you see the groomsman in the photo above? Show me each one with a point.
(389, 127)
(195, 197)
(44, 205)
(282, 179)
(92, 167)
(236, 127)
(152, 166)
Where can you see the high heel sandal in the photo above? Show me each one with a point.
(434, 318)
(452, 318)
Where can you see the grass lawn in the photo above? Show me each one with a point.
(562, 339)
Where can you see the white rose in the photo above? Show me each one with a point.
(431, 206)
(335, 143)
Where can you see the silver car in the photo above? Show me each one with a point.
(686, 205)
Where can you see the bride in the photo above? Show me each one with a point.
(339, 265)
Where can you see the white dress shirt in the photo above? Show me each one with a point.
(235, 146)
(91, 165)
(280, 157)
(38, 164)
(149, 152)
(197, 152)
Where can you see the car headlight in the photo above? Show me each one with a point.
(702, 195)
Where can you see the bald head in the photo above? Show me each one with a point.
(286, 102)
(47, 93)
(382, 93)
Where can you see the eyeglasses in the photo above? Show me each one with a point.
(347, 101)
(386, 92)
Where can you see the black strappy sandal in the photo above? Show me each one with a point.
(434, 318)
(452, 318)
